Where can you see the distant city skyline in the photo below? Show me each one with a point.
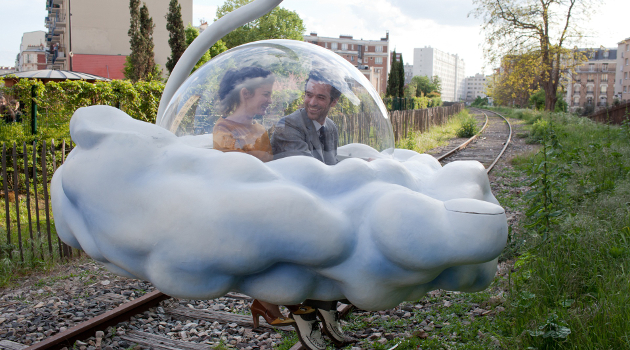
(412, 24)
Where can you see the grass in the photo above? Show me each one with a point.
(571, 290)
(436, 136)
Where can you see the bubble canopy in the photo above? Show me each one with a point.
(249, 89)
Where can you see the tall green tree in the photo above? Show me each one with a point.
(396, 78)
(280, 23)
(140, 64)
(176, 34)
(132, 63)
(545, 30)
(191, 34)
(400, 71)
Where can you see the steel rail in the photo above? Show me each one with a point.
(509, 139)
(463, 145)
(87, 329)
(467, 142)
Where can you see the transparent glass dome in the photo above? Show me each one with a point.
(260, 83)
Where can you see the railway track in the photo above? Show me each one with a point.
(487, 146)
(161, 312)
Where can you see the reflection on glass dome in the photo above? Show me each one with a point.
(251, 98)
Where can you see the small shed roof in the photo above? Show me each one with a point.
(50, 74)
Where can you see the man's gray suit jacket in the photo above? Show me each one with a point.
(295, 135)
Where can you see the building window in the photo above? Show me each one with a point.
(344, 47)
(626, 61)
(606, 54)
(625, 75)
(380, 49)
(589, 77)
(591, 67)
(576, 87)
(378, 60)
(604, 77)
(624, 89)
(603, 89)
(334, 46)
(605, 67)
(352, 58)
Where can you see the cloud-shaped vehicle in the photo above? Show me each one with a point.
(157, 202)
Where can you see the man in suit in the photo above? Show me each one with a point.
(309, 132)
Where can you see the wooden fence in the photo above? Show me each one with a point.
(613, 115)
(420, 120)
(28, 223)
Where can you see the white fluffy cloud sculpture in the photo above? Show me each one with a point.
(198, 223)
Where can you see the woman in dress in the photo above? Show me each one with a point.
(244, 94)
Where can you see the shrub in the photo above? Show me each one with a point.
(469, 126)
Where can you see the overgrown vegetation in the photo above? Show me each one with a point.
(57, 101)
(570, 286)
(468, 127)
(436, 136)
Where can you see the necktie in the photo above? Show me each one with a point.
(322, 137)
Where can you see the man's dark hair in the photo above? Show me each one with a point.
(319, 77)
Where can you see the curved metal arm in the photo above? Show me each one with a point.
(209, 37)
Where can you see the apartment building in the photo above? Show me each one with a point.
(593, 82)
(449, 68)
(92, 34)
(622, 75)
(475, 86)
(32, 54)
(371, 57)
(408, 73)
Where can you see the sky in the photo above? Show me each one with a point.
(444, 25)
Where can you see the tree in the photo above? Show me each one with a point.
(140, 64)
(436, 84)
(280, 23)
(541, 29)
(400, 71)
(132, 63)
(423, 85)
(517, 79)
(396, 78)
(191, 34)
(177, 35)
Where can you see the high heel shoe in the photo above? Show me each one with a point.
(259, 310)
